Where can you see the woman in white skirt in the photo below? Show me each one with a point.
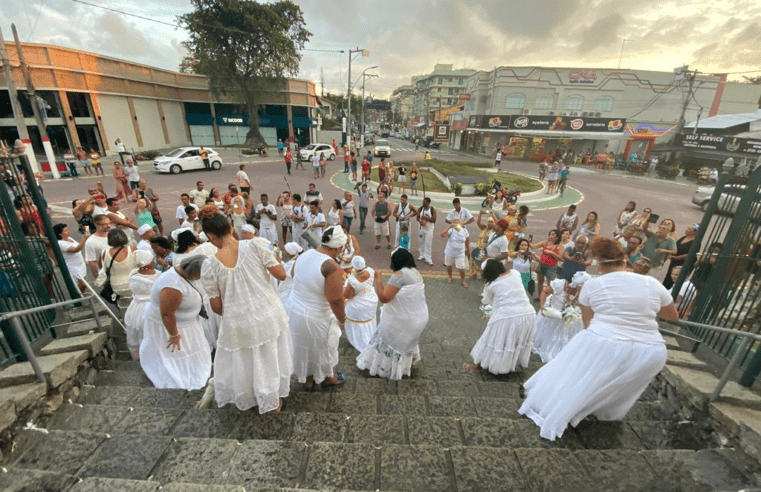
(252, 364)
(506, 341)
(316, 312)
(361, 304)
(285, 287)
(213, 320)
(552, 331)
(174, 352)
(604, 369)
(72, 253)
(141, 282)
(404, 315)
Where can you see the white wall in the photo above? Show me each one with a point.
(116, 120)
(147, 111)
(327, 136)
(175, 123)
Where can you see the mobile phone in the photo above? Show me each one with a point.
(531, 238)
(654, 218)
(142, 194)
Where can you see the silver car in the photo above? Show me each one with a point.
(728, 200)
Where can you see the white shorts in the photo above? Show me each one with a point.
(381, 228)
(460, 262)
(402, 178)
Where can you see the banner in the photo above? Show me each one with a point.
(723, 143)
(441, 133)
(568, 124)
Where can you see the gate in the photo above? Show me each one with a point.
(29, 253)
(724, 270)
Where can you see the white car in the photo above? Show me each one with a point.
(186, 159)
(728, 200)
(382, 149)
(317, 148)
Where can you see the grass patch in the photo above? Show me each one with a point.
(508, 180)
(432, 183)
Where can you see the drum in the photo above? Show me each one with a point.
(478, 254)
(311, 238)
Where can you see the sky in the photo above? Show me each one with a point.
(408, 37)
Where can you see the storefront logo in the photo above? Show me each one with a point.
(521, 122)
(616, 125)
(578, 76)
(226, 119)
(576, 124)
(495, 122)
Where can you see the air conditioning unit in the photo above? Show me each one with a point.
(585, 113)
(598, 114)
(551, 113)
(575, 113)
(563, 114)
(526, 111)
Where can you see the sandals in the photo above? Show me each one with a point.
(338, 382)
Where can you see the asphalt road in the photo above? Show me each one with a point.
(604, 193)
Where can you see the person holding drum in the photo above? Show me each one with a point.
(315, 222)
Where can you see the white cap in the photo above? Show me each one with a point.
(143, 229)
(358, 263)
(293, 249)
(143, 258)
(248, 228)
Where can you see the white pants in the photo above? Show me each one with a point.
(297, 232)
(425, 241)
(269, 233)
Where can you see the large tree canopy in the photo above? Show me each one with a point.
(245, 48)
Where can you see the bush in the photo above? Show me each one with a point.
(482, 189)
(456, 188)
(149, 155)
(249, 151)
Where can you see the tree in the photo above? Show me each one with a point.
(245, 48)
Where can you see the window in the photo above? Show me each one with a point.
(603, 103)
(459, 81)
(451, 91)
(515, 101)
(439, 80)
(574, 103)
(79, 104)
(545, 101)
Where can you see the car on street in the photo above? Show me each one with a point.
(317, 148)
(382, 149)
(186, 159)
(728, 200)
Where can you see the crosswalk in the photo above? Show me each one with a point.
(421, 150)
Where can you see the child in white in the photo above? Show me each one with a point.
(552, 331)
(457, 250)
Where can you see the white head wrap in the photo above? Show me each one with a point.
(358, 263)
(579, 278)
(143, 258)
(337, 237)
(483, 264)
(203, 237)
(248, 228)
(143, 229)
(293, 249)
(176, 233)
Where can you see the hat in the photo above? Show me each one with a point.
(144, 228)
(503, 223)
(358, 263)
(579, 278)
(176, 233)
(143, 258)
(293, 249)
(248, 228)
(336, 237)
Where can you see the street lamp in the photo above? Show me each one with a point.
(362, 115)
(623, 42)
(348, 124)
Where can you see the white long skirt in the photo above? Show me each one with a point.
(505, 343)
(552, 335)
(381, 360)
(254, 376)
(188, 368)
(314, 343)
(359, 334)
(133, 323)
(591, 375)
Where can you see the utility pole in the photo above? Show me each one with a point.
(348, 123)
(35, 106)
(680, 126)
(322, 83)
(18, 113)
(362, 117)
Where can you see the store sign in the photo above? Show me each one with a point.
(568, 123)
(477, 121)
(721, 143)
(497, 122)
(463, 97)
(579, 76)
(441, 133)
(232, 120)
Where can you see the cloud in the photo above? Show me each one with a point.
(602, 33)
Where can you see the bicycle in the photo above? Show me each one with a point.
(561, 186)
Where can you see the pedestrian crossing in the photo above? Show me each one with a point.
(421, 151)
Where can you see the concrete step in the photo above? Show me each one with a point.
(79, 328)
(92, 342)
(268, 465)
(57, 368)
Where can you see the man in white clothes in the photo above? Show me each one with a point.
(117, 217)
(403, 212)
(315, 220)
(133, 174)
(199, 195)
(181, 215)
(463, 214)
(457, 250)
(497, 244)
(569, 220)
(426, 216)
(300, 213)
(121, 149)
(267, 214)
(97, 244)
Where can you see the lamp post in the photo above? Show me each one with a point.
(362, 115)
(348, 121)
(623, 42)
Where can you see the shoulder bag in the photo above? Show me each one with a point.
(107, 292)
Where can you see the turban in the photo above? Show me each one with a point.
(143, 229)
(334, 237)
(293, 249)
(579, 278)
(143, 258)
(358, 263)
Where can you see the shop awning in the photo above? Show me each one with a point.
(558, 134)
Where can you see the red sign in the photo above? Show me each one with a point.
(291, 139)
(578, 76)
(464, 97)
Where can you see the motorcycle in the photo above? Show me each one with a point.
(262, 151)
(511, 195)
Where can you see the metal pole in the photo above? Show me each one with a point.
(362, 117)
(348, 93)
(623, 41)
(95, 313)
(35, 107)
(16, 323)
(729, 369)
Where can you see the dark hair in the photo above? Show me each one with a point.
(523, 210)
(456, 200)
(185, 240)
(296, 197)
(597, 217)
(520, 241)
(427, 200)
(198, 182)
(74, 203)
(184, 194)
(189, 208)
(117, 237)
(572, 206)
(337, 203)
(558, 235)
(403, 196)
(315, 203)
(607, 250)
(58, 229)
(214, 223)
(162, 241)
(492, 270)
(111, 201)
(241, 166)
(264, 195)
(402, 259)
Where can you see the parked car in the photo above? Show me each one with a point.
(384, 134)
(317, 148)
(382, 149)
(728, 200)
(369, 140)
(186, 159)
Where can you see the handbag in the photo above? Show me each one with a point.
(107, 292)
(202, 313)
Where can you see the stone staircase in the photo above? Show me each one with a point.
(442, 430)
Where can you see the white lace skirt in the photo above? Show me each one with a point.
(591, 375)
(314, 343)
(133, 322)
(552, 335)
(359, 334)
(381, 360)
(247, 377)
(505, 343)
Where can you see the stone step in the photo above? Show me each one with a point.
(92, 342)
(57, 368)
(267, 465)
(79, 328)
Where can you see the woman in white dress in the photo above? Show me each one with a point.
(506, 341)
(394, 348)
(141, 282)
(350, 251)
(174, 352)
(237, 213)
(286, 216)
(286, 286)
(72, 253)
(604, 369)
(316, 312)
(552, 332)
(336, 214)
(120, 268)
(252, 365)
(361, 304)
(625, 217)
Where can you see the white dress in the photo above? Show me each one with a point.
(141, 286)
(394, 347)
(285, 287)
(252, 365)
(604, 369)
(75, 262)
(190, 367)
(314, 328)
(210, 324)
(553, 334)
(506, 341)
(361, 311)
(333, 218)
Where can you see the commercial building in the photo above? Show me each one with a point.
(401, 103)
(438, 89)
(91, 100)
(535, 110)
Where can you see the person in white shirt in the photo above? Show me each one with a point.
(191, 214)
(267, 214)
(315, 220)
(457, 250)
(117, 217)
(199, 195)
(243, 182)
(121, 149)
(426, 216)
(146, 233)
(97, 244)
(497, 244)
(133, 174)
(316, 164)
(99, 207)
(687, 290)
(463, 214)
(181, 215)
(300, 213)
(347, 205)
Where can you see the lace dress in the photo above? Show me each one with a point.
(361, 311)
(252, 365)
(553, 334)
